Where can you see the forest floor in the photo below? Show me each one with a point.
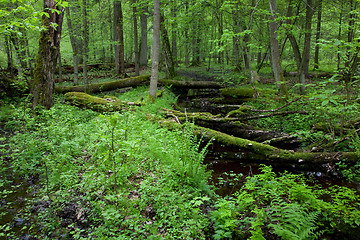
(120, 176)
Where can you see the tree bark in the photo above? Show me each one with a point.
(304, 68)
(257, 151)
(46, 60)
(8, 49)
(155, 52)
(174, 32)
(143, 40)
(137, 81)
(169, 60)
(275, 52)
(86, 44)
(136, 41)
(106, 86)
(119, 38)
(74, 45)
(317, 37)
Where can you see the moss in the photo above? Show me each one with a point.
(95, 103)
(240, 111)
(106, 86)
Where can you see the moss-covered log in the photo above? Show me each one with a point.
(259, 151)
(236, 128)
(106, 104)
(106, 86)
(137, 81)
(265, 152)
(191, 84)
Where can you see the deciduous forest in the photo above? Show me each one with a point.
(168, 119)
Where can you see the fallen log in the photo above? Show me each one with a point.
(236, 128)
(136, 81)
(260, 151)
(106, 86)
(191, 84)
(106, 104)
(264, 152)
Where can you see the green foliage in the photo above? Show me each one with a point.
(285, 206)
(119, 173)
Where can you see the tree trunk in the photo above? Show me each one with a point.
(174, 32)
(8, 49)
(339, 37)
(74, 46)
(49, 47)
(119, 38)
(155, 52)
(317, 37)
(236, 39)
(60, 68)
(275, 52)
(169, 60)
(86, 44)
(106, 86)
(304, 68)
(143, 40)
(136, 41)
(351, 32)
(258, 151)
(290, 35)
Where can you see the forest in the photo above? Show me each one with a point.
(168, 119)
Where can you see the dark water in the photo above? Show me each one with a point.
(17, 195)
(232, 167)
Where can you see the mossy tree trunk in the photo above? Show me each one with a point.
(46, 60)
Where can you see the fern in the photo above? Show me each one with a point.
(292, 221)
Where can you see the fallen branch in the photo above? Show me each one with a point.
(260, 151)
(277, 109)
(106, 86)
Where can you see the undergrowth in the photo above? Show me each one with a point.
(121, 176)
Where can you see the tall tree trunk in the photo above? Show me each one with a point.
(74, 46)
(236, 39)
(339, 36)
(351, 31)
(155, 52)
(136, 41)
(60, 68)
(49, 47)
(290, 35)
(143, 40)
(119, 38)
(86, 44)
(275, 52)
(174, 32)
(219, 17)
(317, 37)
(20, 54)
(304, 68)
(169, 60)
(8, 48)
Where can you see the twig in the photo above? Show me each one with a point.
(277, 109)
